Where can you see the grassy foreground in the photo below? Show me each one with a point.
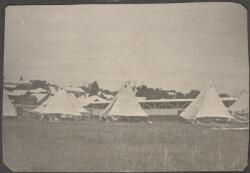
(30, 145)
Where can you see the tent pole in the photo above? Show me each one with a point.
(41, 117)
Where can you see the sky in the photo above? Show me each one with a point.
(169, 46)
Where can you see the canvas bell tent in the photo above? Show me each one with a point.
(240, 109)
(8, 108)
(124, 106)
(59, 104)
(208, 105)
(77, 105)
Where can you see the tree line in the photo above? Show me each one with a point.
(140, 91)
(147, 92)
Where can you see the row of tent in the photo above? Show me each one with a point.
(62, 103)
(125, 104)
(207, 105)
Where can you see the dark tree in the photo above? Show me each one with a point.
(93, 88)
(40, 84)
(142, 91)
(180, 95)
(192, 94)
(223, 95)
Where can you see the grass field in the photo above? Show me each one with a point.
(30, 145)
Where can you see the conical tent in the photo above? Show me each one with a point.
(76, 104)
(242, 103)
(124, 104)
(8, 108)
(207, 105)
(191, 111)
(59, 104)
(82, 100)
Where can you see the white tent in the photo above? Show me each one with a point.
(207, 105)
(82, 100)
(190, 113)
(8, 108)
(76, 103)
(59, 104)
(242, 104)
(71, 100)
(124, 104)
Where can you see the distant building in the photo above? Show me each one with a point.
(13, 85)
(171, 93)
(16, 82)
(109, 97)
(16, 94)
(76, 90)
(106, 96)
(9, 87)
(84, 101)
(38, 91)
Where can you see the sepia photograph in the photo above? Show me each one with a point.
(125, 87)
